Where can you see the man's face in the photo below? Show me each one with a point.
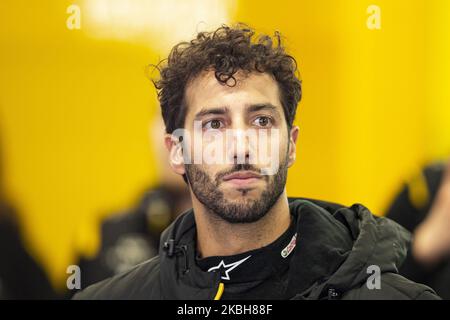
(235, 124)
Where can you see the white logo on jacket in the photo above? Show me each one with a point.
(228, 267)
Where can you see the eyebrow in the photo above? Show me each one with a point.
(214, 111)
(262, 106)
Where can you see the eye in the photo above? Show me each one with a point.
(214, 124)
(262, 121)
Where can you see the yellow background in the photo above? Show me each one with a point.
(75, 105)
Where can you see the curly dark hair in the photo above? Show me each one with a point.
(226, 50)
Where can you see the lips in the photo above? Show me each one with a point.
(242, 179)
(242, 175)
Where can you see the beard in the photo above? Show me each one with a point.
(246, 210)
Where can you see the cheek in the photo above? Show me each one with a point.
(205, 148)
(279, 145)
(286, 142)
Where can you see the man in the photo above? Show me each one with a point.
(243, 239)
(423, 208)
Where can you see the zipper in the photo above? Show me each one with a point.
(219, 291)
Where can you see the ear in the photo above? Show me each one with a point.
(293, 135)
(175, 148)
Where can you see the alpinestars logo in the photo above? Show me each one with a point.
(227, 267)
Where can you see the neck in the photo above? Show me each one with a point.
(216, 237)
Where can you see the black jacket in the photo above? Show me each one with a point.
(335, 247)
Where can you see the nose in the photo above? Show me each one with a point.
(240, 146)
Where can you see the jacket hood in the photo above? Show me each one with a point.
(335, 247)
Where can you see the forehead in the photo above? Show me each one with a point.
(205, 91)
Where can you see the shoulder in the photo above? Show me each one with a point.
(139, 283)
(393, 287)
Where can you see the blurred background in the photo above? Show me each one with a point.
(77, 142)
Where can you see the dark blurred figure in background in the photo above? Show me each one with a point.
(423, 207)
(20, 275)
(131, 237)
